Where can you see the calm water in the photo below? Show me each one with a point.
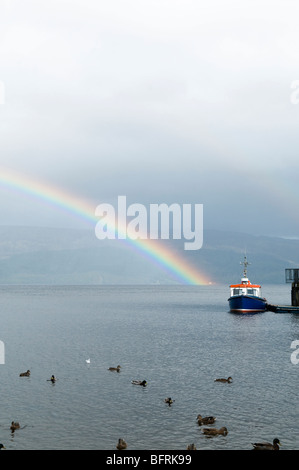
(177, 338)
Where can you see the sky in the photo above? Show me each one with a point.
(169, 101)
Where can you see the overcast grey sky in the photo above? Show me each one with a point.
(184, 101)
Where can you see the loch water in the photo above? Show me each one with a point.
(178, 338)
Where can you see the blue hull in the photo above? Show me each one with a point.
(247, 304)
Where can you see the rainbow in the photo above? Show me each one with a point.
(154, 251)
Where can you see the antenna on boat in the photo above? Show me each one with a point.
(245, 263)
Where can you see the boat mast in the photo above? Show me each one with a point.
(245, 263)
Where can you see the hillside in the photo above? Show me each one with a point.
(30, 255)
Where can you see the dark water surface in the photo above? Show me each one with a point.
(178, 338)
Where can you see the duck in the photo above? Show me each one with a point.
(139, 382)
(191, 447)
(215, 432)
(14, 425)
(205, 420)
(228, 380)
(52, 379)
(25, 374)
(117, 368)
(267, 445)
(169, 401)
(2, 447)
(121, 445)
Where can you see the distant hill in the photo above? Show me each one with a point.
(36, 255)
(223, 251)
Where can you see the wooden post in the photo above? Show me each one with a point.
(295, 294)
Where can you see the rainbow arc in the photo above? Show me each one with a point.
(154, 251)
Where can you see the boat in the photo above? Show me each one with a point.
(246, 297)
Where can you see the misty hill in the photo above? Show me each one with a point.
(35, 255)
(223, 251)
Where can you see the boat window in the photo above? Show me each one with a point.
(252, 292)
(236, 291)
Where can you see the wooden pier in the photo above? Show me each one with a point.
(283, 308)
(291, 276)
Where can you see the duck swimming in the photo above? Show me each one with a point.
(139, 382)
(2, 447)
(191, 447)
(215, 432)
(52, 379)
(121, 445)
(25, 374)
(228, 380)
(117, 369)
(14, 425)
(267, 445)
(205, 420)
(169, 401)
